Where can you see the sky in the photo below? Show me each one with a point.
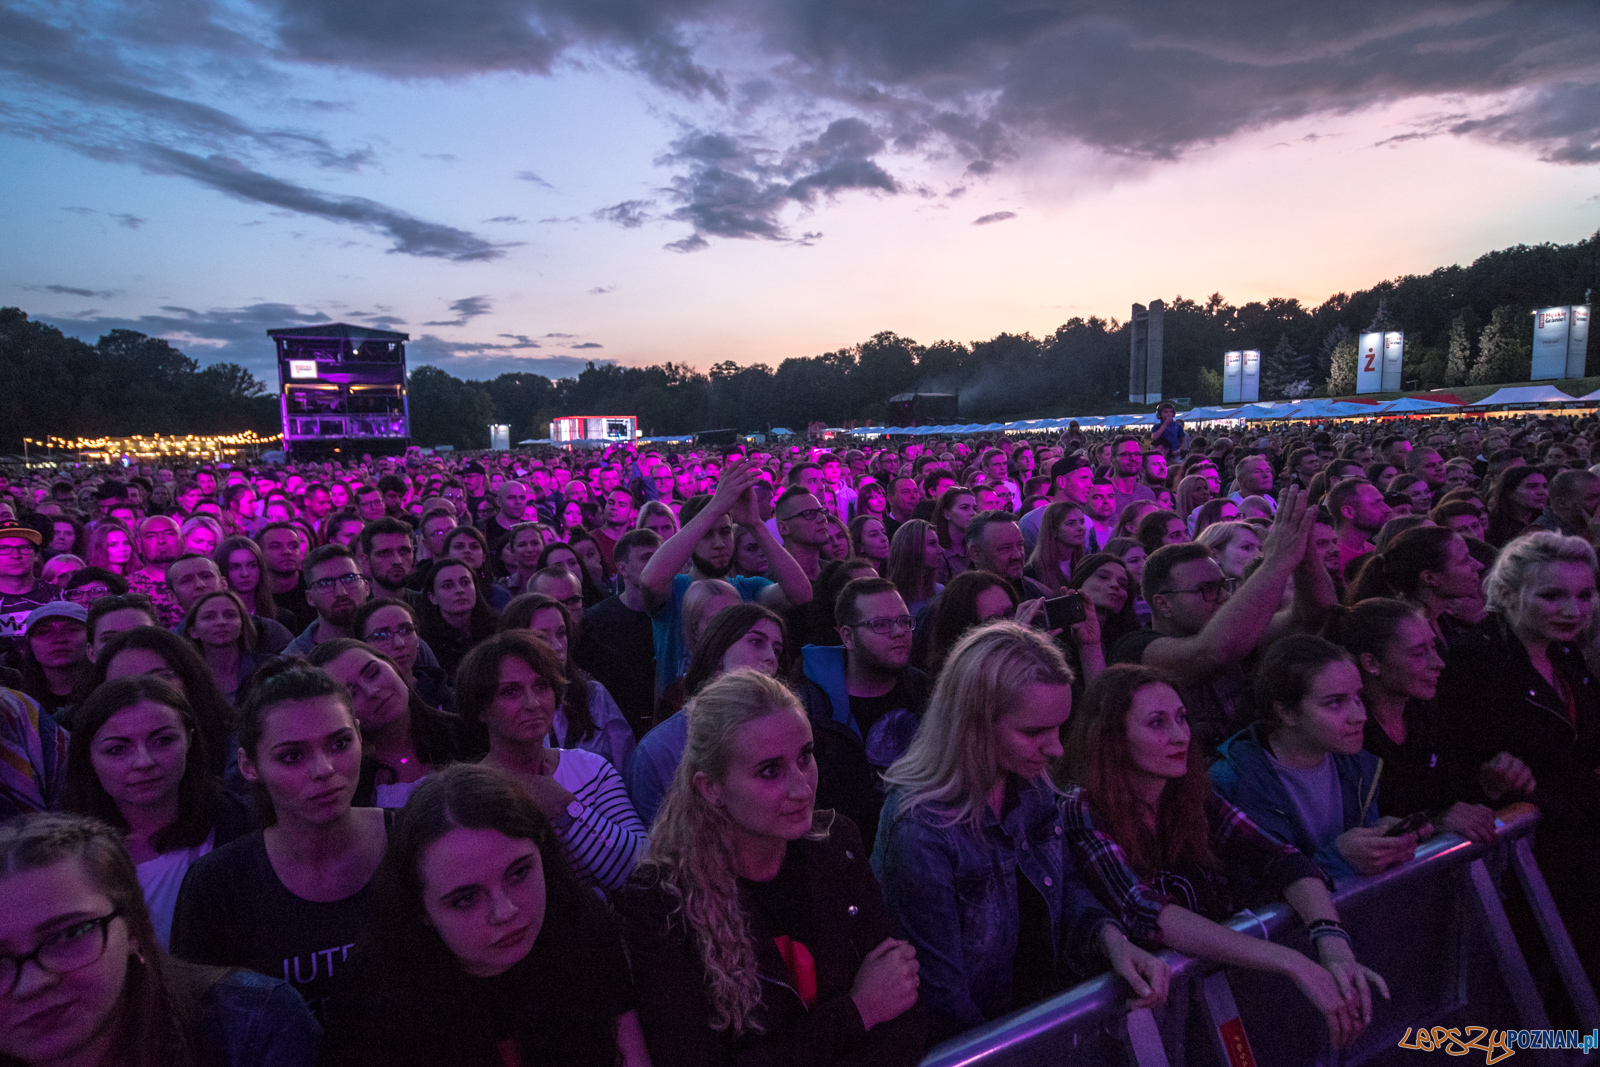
(533, 184)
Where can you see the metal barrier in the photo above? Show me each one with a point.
(1435, 928)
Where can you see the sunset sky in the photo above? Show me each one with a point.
(529, 184)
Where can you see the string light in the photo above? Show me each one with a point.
(156, 446)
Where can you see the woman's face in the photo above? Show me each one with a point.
(63, 536)
(1213, 482)
(932, 551)
(200, 540)
(1107, 588)
(453, 590)
(524, 705)
(572, 515)
(391, 631)
(1533, 494)
(874, 503)
(118, 548)
(525, 549)
(1243, 549)
(663, 525)
(748, 556)
(1329, 718)
(1459, 575)
(992, 603)
(1409, 665)
(62, 1017)
(1158, 732)
(874, 542)
(244, 572)
(131, 662)
(1177, 533)
(1133, 559)
(339, 494)
(1164, 500)
(378, 696)
(961, 511)
(139, 755)
(1422, 497)
(1385, 476)
(589, 555)
(1466, 525)
(838, 543)
(1072, 530)
(218, 623)
(564, 557)
(770, 789)
(1557, 604)
(1027, 736)
(308, 758)
(484, 893)
(468, 551)
(550, 626)
(761, 648)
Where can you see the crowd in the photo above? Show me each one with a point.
(731, 756)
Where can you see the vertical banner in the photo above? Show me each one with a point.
(1369, 359)
(1138, 347)
(1394, 359)
(1578, 341)
(1232, 377)
(499, 436)
(1250, 381)
(1550, 356)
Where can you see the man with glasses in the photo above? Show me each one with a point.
(20, 590)
(803, 524)
(335, 589)
(1127, 464)
(864, 699)
(1202, 629)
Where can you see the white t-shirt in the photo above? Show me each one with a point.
(396, 795)
(161, 878)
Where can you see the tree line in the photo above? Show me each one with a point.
(1463, 324)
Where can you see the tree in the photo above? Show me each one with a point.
(1208, 386)
(1336, 336)
(1284, 372)
(1342, 369)
(1501, 355)
(1458, 364)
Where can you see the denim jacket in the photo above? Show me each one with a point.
(1245, 778)
(955, 892)
(250, 1020)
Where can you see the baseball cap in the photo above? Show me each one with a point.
(63, 609)
(11, 528)
(473, 468)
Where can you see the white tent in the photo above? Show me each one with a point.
(1591, 396)
(1414, 403)
(1525, 394)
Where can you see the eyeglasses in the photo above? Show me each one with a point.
(323, 585)
(405, 629)
(84, 594)
(885, 627)
(62, 952)
(1210, 591)
(23, 548)
(808, 515)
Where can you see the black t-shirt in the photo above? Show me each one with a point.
(887, 724)
(234, 911)
(1425, 773)
(784, 903)
(618, 648)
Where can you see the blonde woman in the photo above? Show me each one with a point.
(970, 848)
(111, 547)
(754, 925)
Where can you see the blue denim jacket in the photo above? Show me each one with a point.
(250, 1020)
(955, 892)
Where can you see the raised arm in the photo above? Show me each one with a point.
(656, 581)
(782, 568)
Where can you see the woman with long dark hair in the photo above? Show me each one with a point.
(137, 762)
(468, 544)
(1429, 567)
(152, 650)
(756, 930)
(484, 947)
(244, 568)
(75, 909)
(1518, 497)
(112, 548)
(218, 624)
(1063, 534)
(1156, 844)
(915, 564)
(589, 717)
(1105, 582)
(455, 615)
(956, 508)
(869, 542)
(972, 599)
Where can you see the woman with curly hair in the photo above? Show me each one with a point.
(754, 924)
(111, 547)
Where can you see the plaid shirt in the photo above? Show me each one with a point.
(1240, 846)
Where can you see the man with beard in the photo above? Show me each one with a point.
(335, 589)
(864, 699)
(706, 540)
(1358, 514)
(389, 555)
(159, 544)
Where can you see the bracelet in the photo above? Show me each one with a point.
(1324, 924)
(1331, 931)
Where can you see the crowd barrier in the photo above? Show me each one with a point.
(1435, 928)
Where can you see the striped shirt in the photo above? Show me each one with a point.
(608, 838)
(33, 756)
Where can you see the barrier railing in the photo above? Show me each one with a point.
(1435, 928)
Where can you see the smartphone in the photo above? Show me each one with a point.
(1063, 611)
(1409, 825)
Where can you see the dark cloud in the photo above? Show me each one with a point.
(589, 344)
(466, 309)
(409, 234)
(70, 290)
(560, 336)
(530, 176)
(993, 216)
(232, 335)
(522, 340)
(483, 361)
(132, 222)
(510, 220)
(602, 290)
(629, 214)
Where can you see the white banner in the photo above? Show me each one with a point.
(1369, 359)
(1250, 380)
(1550, 342)
(1232, 377)
(1394, 358)
(1578, 342)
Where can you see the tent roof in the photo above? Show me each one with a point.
(341, 330)
(1525, 394)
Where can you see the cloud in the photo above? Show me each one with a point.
(993, 216)
(510, 220)
(410, 235)
(561, 335)
(466, 309)
(601, 290)
(530, 176)
(488, 360)
(132, 222)
(69, 290)
(588, 344)
(629, 214)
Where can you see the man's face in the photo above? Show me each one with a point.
(619, 508)
(1102, 502)
(940, 486)
(513, 501)
(890, 463)
(1397, 453)
(433, 534)
(1309, 465)
(207, 482)
(1325, 546)
(1196, 593)
(832, 472)
(474, 484)
(1367, 512)
(809, 479)
(632, 568)
(1155, 467)
(880, 653)
(1129, 457)
(319, 502)
(1255, 475)
(663, 480)
(394, 501)
(245, 503)
(16, 557)
(568, 589)
(802, 520)
(331, 589)
(1432, 469)
(996, 467)
(192, 579)
(905, 495)
(539, 484)
(369, 505)
(999, 549)
(159, 541)
(393, 558)
(59, 642)
(284, 549)
(1075, 486)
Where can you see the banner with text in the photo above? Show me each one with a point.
(1369, 363)
(1232, 377)
(1250, 380)
(1394, 358)
(1578, 342)
(1550, 328)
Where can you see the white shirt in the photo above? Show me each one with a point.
(161, 878)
